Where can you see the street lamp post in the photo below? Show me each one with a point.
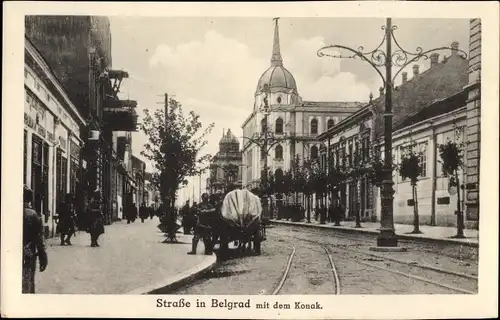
(377, 58)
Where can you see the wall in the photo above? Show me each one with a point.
(444, 128)
(64, 43)
(474, 120)
(55, 126)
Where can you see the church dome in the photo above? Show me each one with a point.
(229, 138)
(277, 77)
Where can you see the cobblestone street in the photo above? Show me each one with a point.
(423, 269)
(130, 257)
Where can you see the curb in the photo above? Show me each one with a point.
(375, 232)
(178, 280)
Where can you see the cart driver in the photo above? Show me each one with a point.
(206, 214)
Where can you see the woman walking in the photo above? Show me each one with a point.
(96, 227)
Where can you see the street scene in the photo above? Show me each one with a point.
(251, 156)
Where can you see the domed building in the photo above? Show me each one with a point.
(225, 168)
(293, 123)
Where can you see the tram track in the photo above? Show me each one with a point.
(286, 273)
(361, 239)
(461, 282)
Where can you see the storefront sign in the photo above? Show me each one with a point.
(74, 150)
(41, 131)
(62, 143)
(29, 121)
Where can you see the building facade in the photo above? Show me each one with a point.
(474, 121)
(52, 143)
(363, 130)
(138, 172)
(294, 124)
(78, 49)
(226, 166)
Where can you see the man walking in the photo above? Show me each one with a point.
(66, 220)
(206, 214)
(143, 212)
(33, 243)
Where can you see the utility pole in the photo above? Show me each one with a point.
(166, 108)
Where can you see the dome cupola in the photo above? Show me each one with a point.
(228, 142)
(277, 77)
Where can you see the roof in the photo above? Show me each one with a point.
(229, 138)
(434, 109)
(276, 77)
(443, 80)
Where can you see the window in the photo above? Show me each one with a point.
(314, 152)
(279, 99)
(278, 152)
(423, 158)
(262, 153)
(349, 161)
(25, 154)
(279, 126)
(314, 126)
(330, 123)
(25, 73)
(420, 148)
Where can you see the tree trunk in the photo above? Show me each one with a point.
(358, 217)
(308, 208)
(460, 218)
(416, 223)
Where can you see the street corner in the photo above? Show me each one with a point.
(202, 264)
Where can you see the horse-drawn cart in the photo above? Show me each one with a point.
(241, 221)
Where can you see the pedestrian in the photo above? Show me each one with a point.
(33, 243)
(185, 214)
(66, 223)
(151, 212)
(96, 226)
(143, 212)
(206, 216)
(134, 212)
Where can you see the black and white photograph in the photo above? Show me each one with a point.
(227, 163)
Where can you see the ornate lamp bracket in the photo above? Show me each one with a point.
(377, 58)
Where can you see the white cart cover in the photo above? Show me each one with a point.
(241, 207)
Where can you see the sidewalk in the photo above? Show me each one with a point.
(429, 233)
(131, 259)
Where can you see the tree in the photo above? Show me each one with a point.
(173, 146)
(411, 168)
(318, 182)
(354, 172)
(451, 154)
(335, 177)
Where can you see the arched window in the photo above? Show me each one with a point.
(279, 99)
(330, 123)
(263, 125)
(314, 152)
(314, 126)
(278, 152)
(279, 126)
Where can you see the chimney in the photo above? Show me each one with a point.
(405, 76)
(454, 46)
(434, 59)
(415, 70)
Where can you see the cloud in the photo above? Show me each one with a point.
(216, 77)
(217, 69)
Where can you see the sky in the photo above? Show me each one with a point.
(212, 65)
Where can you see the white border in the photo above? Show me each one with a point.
(359, 307)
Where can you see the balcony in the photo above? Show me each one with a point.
(120, 115)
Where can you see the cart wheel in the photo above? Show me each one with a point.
(256, 245)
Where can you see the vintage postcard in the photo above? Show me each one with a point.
(301, 160)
